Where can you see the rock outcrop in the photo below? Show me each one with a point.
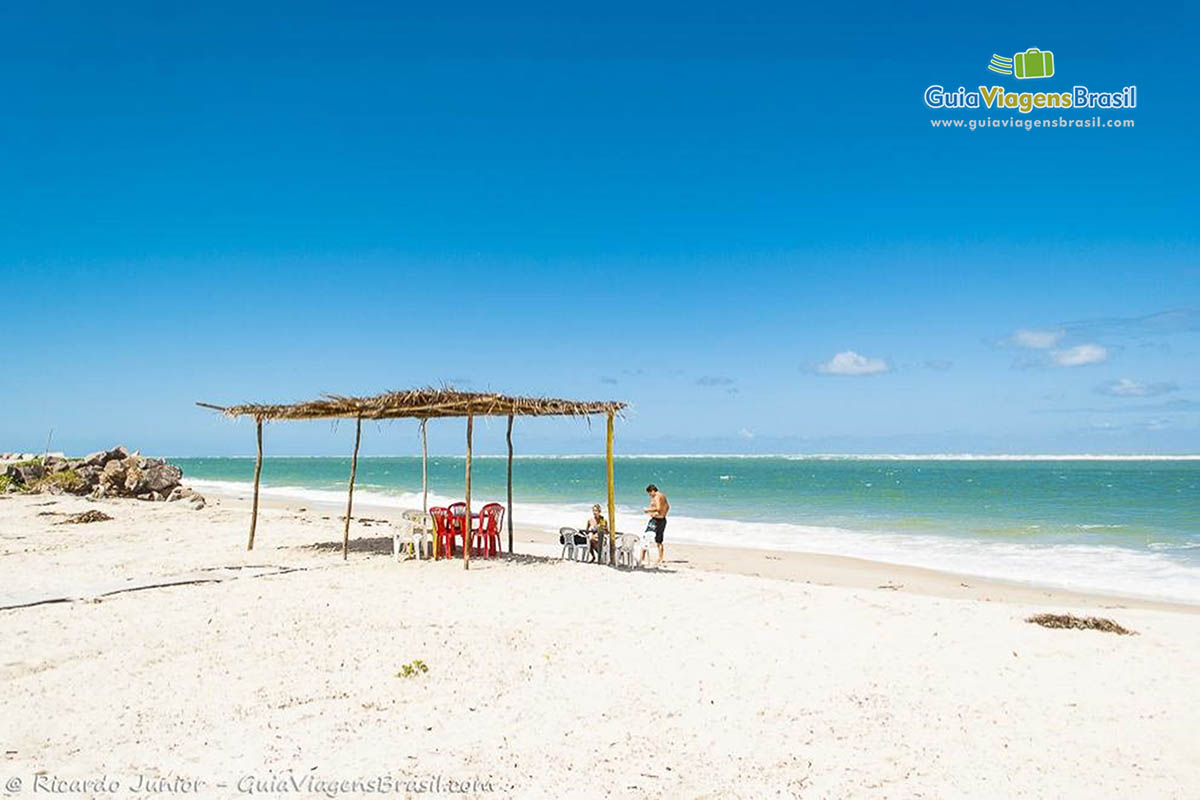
(108, 473)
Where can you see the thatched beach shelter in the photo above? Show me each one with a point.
(423, 405)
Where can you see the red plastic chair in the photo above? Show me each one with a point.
(487, 537)
(457, 523)
(441, 530)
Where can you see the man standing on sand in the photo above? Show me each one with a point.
(658, 509)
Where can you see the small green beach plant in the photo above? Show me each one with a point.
(412, 670)
(67, 480)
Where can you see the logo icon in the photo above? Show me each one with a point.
(1001, 64)
(1033, 63)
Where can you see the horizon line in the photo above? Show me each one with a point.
(791, 456)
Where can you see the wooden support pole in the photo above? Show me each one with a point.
(425, 483)
(612, 506)
(424, 469)
(425, 487)
(350, 496)
(467, 518)
(257, 475)
(510, 451)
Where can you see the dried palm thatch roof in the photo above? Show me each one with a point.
(419, 403)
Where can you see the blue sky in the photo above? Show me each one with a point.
(712, 212)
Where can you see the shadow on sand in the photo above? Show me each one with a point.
(382, 546)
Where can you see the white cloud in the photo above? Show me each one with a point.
(1127, 387)
(1080, 355)
(1036, 340)
(746, 433)
(849, 362)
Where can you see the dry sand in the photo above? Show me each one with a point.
(729, 673)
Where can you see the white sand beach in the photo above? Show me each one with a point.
(728, 673)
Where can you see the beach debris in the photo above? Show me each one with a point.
(892, 586)
(1081, 623)
(84, 517)
(106, 473)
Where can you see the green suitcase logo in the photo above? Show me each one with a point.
(1033, 63)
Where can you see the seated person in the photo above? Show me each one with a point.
(597, 530)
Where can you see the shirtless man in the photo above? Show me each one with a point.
(658, 509)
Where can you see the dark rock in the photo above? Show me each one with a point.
(25, 474)
(159, 476)
(180, 493)
(150, 475)
(95, 459)
(113, 474)
(89, 476)
(132, 485)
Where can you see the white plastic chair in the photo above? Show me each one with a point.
(413, 535)
(628, 545)
(572, 550)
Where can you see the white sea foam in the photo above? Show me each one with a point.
(537, 515)
(1174, 545)
(321, 497)
(1080, 567)
(1148, 574)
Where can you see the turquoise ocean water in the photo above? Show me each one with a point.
(1124, 525)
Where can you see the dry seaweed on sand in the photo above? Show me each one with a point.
(84, 517)
(1081, 623)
